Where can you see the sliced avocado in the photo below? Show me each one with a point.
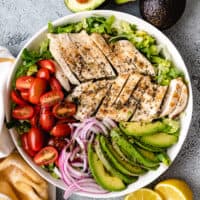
(102, 177)
(108, 164)
(160, 140)
(148, 147)
(131, 152)
(141, 128)
(78, 5)
(148, 155)
(174, 125)
(118, 162)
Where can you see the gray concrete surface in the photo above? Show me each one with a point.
(20, 19)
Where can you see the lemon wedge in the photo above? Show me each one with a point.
(174, 189)
(143, 194)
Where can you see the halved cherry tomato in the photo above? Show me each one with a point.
(25, 145)
(24, 82)
(25, 94)
(43, 73)
(64, 110)
(47, 120)
(23, 112)
(48, 64)
(60, 130)
(35, 139)
(38, 88)
(51, 98)
(46, 156)
(54, 84)
(17, 99)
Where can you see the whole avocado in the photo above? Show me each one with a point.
(162, 13)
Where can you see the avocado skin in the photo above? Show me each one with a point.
(162, 13)
(109, 165)
(121, 164)
(131, 152)
(108, 182)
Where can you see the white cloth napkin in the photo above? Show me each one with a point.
(6, 61)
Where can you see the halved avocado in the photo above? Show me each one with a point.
(120, 164)
(102, 177)
(131, 152)
(78, 6)
(109, 165)
(138, 129)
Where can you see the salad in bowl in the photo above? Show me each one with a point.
(98, 103)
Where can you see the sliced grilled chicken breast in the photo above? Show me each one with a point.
(149, 106)
(57, 53)
(90, 96)
(172, 97)
(97, 64)
(182, 102)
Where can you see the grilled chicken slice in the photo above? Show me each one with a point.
(97, 65)
(182, 102)
(90, 96)
(172, 97)
(58, 54)
(112, 107)
(124, 56)
(149, 106)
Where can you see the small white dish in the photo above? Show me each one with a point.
(176, 58)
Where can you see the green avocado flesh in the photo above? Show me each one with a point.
(142, 129)
(75, 6)
(100, 174)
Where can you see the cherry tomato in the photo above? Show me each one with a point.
(23, 112)
(51, 98)
(17, 99)
(82, 1)
(54, 84)
(35, 139)
(43, 73)
(60, 130)
(25, 145)
(25, 94)
(37, 89)
(24, 82)
(46, 156)
(64, 110)
(58, 142)
(47, 121)
(48, 64)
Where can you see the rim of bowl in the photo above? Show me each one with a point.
(185, 119)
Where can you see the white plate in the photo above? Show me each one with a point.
(178, 61)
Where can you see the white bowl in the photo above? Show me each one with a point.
(176, 58)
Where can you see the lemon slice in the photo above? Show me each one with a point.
(174, 189)
(143, 194)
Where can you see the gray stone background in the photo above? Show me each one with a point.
(20, 19)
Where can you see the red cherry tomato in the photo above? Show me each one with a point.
(23, 112)
(25, 94)
(46, 156)
(38, 87)
(48, 64)
(24, 82)
(43, 73)
(17, 99)
(60, 130)
(25, 145)
(51, 98)
(55, 84)
(35, 139)
(47, 121)
(64, 110)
